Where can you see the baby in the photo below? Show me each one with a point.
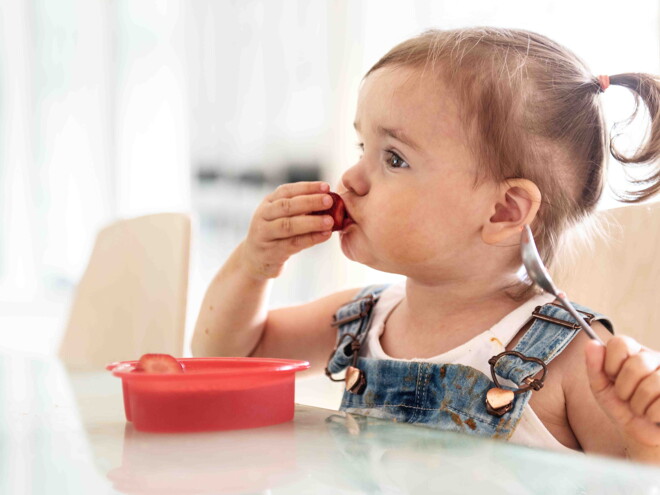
(466, 136)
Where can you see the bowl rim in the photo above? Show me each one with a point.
(125, 369)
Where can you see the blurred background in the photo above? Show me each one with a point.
(112, 109)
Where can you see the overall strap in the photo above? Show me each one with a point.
(355, 317)
(552, 330)
(353, 321)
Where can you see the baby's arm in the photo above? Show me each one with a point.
(234, 318)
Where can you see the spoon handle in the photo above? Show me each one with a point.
(569, 307)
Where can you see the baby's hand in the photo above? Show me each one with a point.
(625, 379)
(282, 226)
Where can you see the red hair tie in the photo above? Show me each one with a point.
(604, 82)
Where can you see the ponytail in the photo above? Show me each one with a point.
(644, 87)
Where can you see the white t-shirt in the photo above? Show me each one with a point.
(475, 353)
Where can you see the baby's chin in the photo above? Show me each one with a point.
(397, 262)
(346, 248)
(353, 253)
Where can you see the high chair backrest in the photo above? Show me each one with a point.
(619, 275)
(131, 299)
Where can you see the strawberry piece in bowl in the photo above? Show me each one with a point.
(158, 363)
(337, 211)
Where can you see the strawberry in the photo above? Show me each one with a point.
(337, 211)
(158, 363)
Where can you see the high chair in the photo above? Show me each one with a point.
(619, 275)
(131, 299)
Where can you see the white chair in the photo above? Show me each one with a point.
(131, 299)
(619, 275)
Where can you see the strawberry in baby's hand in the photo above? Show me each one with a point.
(158, 363)
(337, 211)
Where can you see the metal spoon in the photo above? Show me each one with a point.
(540, 276)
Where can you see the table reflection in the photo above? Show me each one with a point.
(65, 433)
(383, 457)
(214, 462)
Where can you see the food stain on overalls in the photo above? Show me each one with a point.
(451, 397)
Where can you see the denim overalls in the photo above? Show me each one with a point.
(447, 396)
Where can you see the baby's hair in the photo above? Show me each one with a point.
(530, 106)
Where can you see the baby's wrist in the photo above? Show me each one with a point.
(254, 271)
(639, 452)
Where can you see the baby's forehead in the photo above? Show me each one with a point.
(412, 99)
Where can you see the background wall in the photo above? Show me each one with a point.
(113, 109)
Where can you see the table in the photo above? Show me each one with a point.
(64, 432)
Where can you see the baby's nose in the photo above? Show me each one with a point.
(355, 180)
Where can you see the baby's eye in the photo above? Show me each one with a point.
(395, 161)
(360, 146)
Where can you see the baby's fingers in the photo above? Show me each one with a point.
(595, 354)
(634, 371)
(653, 411)
(646, 395)
(298, 243)
(618, 350)
(602, 387)
(289, 227)
(288, 207)
(294, 189)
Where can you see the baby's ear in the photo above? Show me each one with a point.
(516, 203)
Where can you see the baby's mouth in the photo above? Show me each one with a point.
(348, 220)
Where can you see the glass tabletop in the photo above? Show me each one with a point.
(65, 432)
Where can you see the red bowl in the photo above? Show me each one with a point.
(211, 394)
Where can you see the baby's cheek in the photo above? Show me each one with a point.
(407, 242)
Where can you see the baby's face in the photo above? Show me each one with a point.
(412, 194)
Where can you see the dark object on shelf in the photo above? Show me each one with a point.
(298, 173)
(208, 174)
(253, 177)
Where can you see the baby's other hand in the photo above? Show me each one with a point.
(625, 379)
(282, 226)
